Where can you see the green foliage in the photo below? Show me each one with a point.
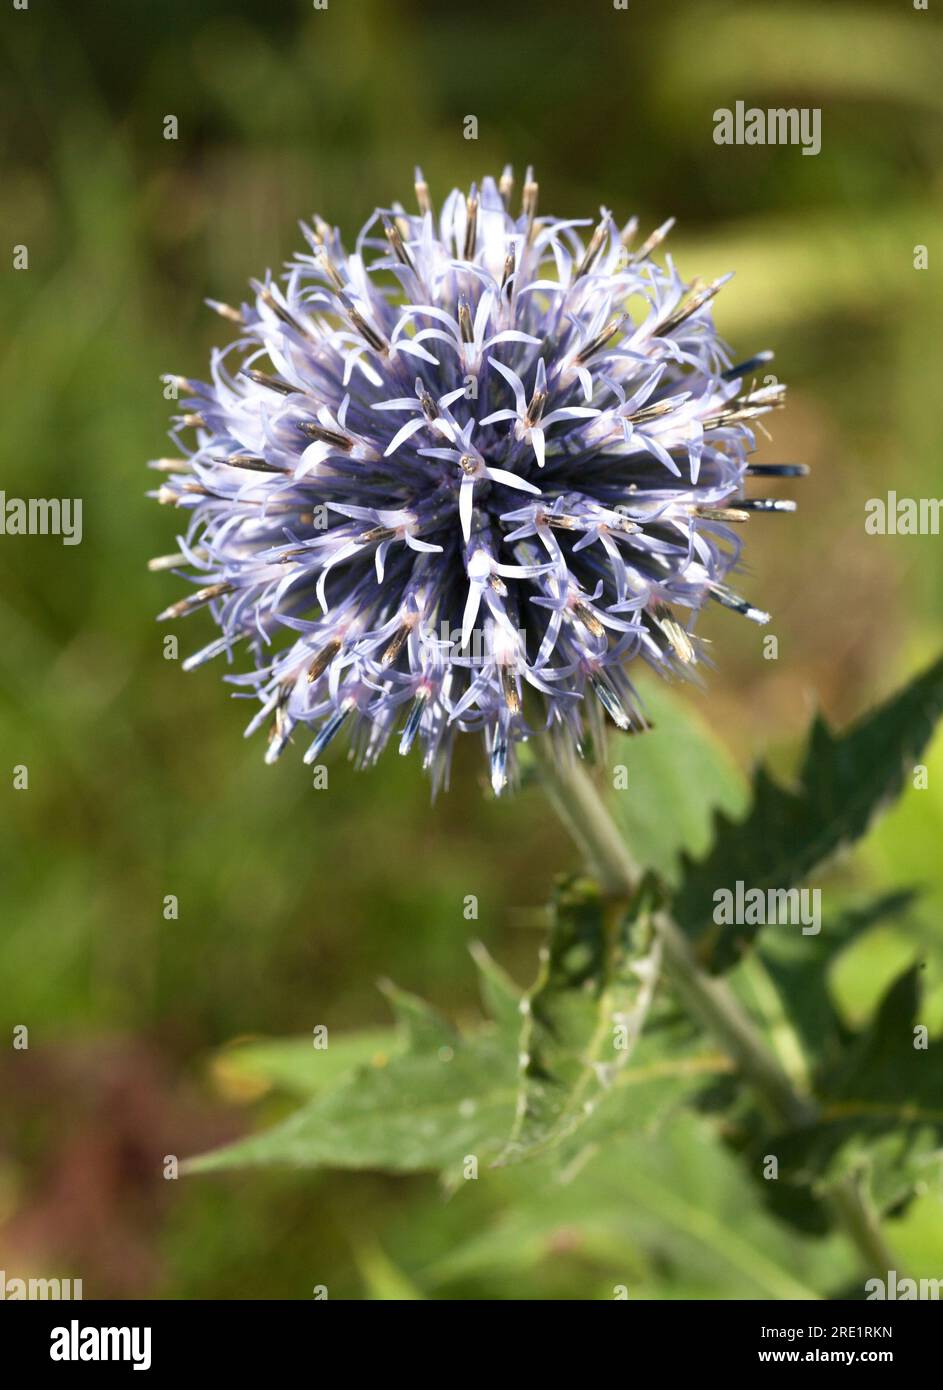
(596, 1050)
(677, 775)
(843, 782)
(801, 970)
(291, 903)
(556, 1069)
(295, 1065)
(880, 1112)
(442, 1098)
(585, 1057)
(663, 1214)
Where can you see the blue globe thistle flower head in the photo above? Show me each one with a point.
(457, 480)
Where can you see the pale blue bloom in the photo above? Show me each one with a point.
(458, 479)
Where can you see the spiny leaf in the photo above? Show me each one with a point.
(844, 781)
(499, 994)
(583, 1017)
(442, 1099)
(420, 1112)
(881, 1112)
(800, 968)
(423, 1027)
(886, 1070)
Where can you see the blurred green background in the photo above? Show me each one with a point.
(293, 902)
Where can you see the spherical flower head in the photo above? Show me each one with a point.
(459, 479)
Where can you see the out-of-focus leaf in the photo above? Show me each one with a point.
(800, 968)
(881, 1113)
(499, 994)
(664, 1216)
(422, 1026)
(843, 783)
(887, 1077)
(247, 1070)
(383, 1280)
(677, 774)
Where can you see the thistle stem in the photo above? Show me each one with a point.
(574, 797)
(576, 800)
(861, 1223)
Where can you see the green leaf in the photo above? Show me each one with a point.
(431, 1098)
(246, 1070)
(800, 967)
(677, 774)
(583, 1021)
(843, 782)
(420, 1112)
(665, 1215)
(880, 1112)
(885, 1075)
(423, 1027)
(439, 1100)
(499, 994)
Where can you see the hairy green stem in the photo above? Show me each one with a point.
(574, 796)
(576, 800)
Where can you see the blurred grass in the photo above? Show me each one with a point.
(291, 903)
